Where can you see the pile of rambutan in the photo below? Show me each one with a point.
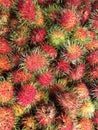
(48, 64)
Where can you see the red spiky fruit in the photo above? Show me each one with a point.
(92, 58)
(50, 50)
(86, 124)
(26, 95)
(78, 72)
(68, 19)
(95, 119)
(6, 3)
(63, 66)
(45, 114)
(73, 3)
(42, 2)
(95, 25)
(4, 46)
(6, 118)
(38, 35)
(92, 45)
(6, 91)
(82, 91)
(93, 72)
(74, 52)
(27, 10)
(92, 34)
(35, 62)
(20, 76)
(46, 78)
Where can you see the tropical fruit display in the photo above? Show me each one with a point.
(48, 64)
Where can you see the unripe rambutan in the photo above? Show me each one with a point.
(63, 66)
(6, 3)
(38, 35)
(35, 62)
(4, 46)
(87, 109)
(6, 118)
(82, 91)
(20, 76)
(74, 52)
(26, 10)
(68, 19)
(72, 3)
(45, 114)
(4, 17)
(29, 122)
(92, 58)
(92, 45)
(5, 64)
(26, 95)
(6, 91)
(86, 124)
(95, 119)
(78, 72)
(65, 122)
(46, 78)
(50, 50)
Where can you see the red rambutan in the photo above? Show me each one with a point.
(92, 45)
(95, 25)
(6, 91)
(95, 119)
(72, 3)
(6, 118)
(94, 72)
(26, 95)
(4, 46)
(68, 19)
(45, 114)
(6, 3)
(27, 10)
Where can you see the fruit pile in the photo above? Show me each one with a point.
(48, 64)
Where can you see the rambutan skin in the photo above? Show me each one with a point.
(26, 95)
(95, 119)
(6, 3)
(72, 3)
(92, 45)
(92, 58)
(6, 118)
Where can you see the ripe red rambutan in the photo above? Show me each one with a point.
(6, 3)
(4, 46)
(73, 3)
(46, 78)
(35, 62)
(63, 66)
(68, 19)
(82, 91)
(45, 114)
(42, 2)
(6, 91)
(38, 35)
(95, 119)
(95, 25)
(93, 72)
(27, 10)
(20, 76)
(86, 124)
(65, 122)
(74, 52)
(50, 50)
(92, 34)
(92, 45)
(26, 95)
(6, 118)
(92, 58)
(78, 72)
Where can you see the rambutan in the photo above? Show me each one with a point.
(45, 114)
(78, 72)
(74, 52)
(27, 10)
(87, 109)
(38, 35)
(82, 91)
(20, 76)
(72, 3)
(86, 124)
(95, 25)
(4, 30)
(4, 46)
(26, 95)
(65, 122)
(93, 72)
(50, 50)
(4, 17)
(6, 118)
(92, 45)
(5, 64)
(35, 62)
(28, 122)
(63, 66)
(6, 3)
(68, 19)
(95, 119)
(46, 78)
(6, 91)
(92, 58)
(39, 96)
